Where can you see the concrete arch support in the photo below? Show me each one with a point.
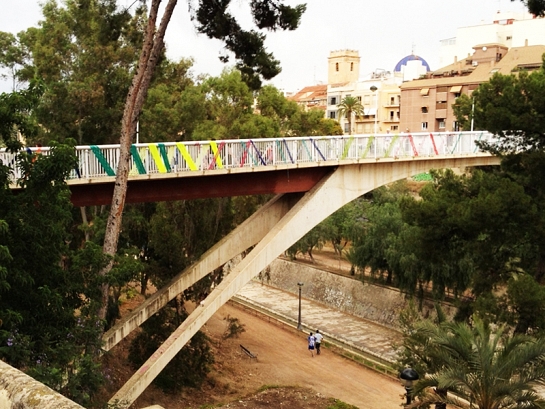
(243, 237)
(345, 184)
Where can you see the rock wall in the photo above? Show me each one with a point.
(375, 303)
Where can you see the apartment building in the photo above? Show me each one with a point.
(510, 29)
(426, 104)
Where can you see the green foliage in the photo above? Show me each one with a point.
(83, 53)
(15, 114)
(253, 61)
(167, 113)
(234, 327)
(314, 239)
(536, 7)
(48, 287)
(463, 111)
(350, 106)
(512, 106)
(381, 234)
(180, 232)
(466, 229)
(11, 55)
(488, 368)
(526, 299)
(189, 367)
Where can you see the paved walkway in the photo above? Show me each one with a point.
(372, 338)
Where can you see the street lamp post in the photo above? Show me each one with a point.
(408, 376)
(300, 284)
(374, 90)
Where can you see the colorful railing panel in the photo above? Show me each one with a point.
(176, 157)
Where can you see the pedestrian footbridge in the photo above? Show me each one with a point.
(200, 169)
(312, 177)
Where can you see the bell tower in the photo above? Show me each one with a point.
(343, 66)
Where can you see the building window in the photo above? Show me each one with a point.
(455, 126)
(392, 100)
(394, 127)
(441, 124)
(508, 38)
(351, 66)
(424, 110)
(332, 114)
(424, 126)
(336, 66)
(366, 99)
(359, 99)
(457, 94)
(346, 128)
(333, 101)
(391, 115)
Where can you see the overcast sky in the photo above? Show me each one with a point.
(383, 31)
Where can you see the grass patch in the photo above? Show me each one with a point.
(267, 387)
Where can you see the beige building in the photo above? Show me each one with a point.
(426, 104)
(343, 81)
(379, 93)
(379, 96)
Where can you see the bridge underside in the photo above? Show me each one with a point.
(202, 187)
(273, 229)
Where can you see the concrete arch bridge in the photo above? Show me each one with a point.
(312, 177)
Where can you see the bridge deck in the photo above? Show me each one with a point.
(176, 170)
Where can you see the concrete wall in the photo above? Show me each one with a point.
(20, 391)
(372, 302)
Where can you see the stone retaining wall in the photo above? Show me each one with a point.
(20, 391)
(375, 303)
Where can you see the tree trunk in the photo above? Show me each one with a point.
(151, 50)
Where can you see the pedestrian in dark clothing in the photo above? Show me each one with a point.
(311, 343)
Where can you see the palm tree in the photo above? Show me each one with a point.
(481, 368)
(348, 106)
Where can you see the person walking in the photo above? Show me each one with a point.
(318, 341)
(311, 342)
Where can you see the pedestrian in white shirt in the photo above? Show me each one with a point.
(318, 340)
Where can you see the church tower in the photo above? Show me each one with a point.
(343, 66)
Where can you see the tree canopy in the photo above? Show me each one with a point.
(488, 368)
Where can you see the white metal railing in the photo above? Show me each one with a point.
(174, 157)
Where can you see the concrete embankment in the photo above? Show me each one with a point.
(372, 302)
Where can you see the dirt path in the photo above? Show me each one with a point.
(283, 360)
